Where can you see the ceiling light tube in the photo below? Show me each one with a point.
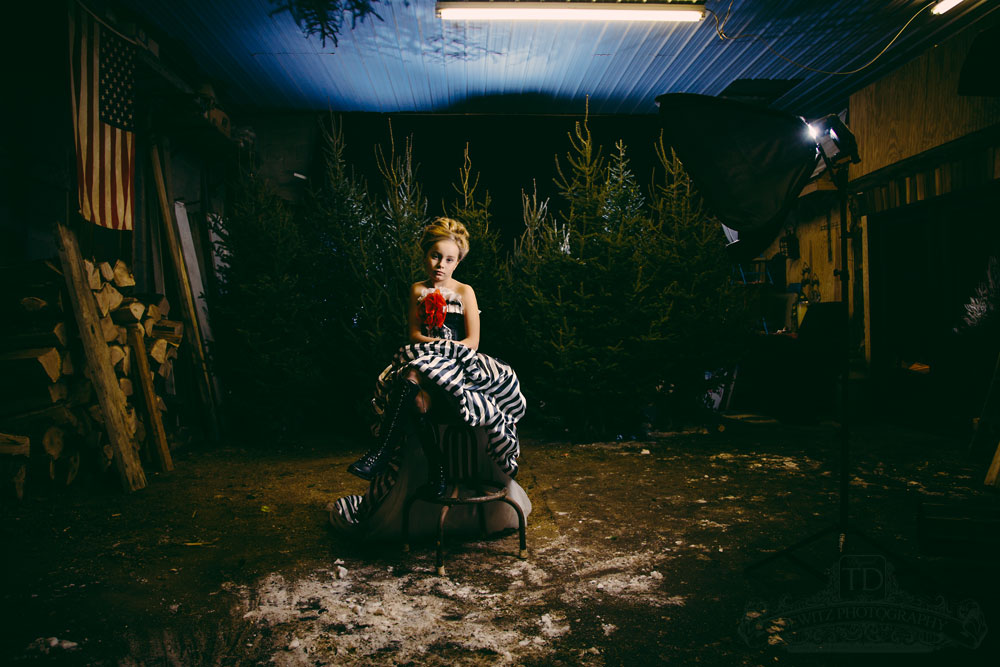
(943, 6)
(569, 11)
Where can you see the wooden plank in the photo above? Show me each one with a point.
(102, 375)
(153, 418)
(194, 268)
(191, 331)
(917, 107)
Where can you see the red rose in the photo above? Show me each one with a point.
(434, 310)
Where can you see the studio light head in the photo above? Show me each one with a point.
(835, 140)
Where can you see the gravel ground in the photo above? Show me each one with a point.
(637, 555)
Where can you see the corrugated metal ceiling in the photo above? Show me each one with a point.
(412, 61)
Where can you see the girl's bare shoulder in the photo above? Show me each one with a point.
(463, 288)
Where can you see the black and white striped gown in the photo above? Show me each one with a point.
(485, 394)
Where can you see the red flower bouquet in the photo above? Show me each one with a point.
(434, 310)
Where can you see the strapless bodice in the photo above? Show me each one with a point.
(453, 327)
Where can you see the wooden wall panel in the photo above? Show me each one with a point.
(917, 108)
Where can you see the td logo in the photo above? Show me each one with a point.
(862, 577)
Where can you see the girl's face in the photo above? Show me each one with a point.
(440, 261)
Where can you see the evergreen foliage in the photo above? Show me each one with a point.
(263, 345)
(485, 267)
(625, 303)
(610, 310)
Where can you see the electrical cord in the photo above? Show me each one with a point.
(720, 31)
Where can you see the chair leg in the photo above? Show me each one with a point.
(439, 562)
(520, 527)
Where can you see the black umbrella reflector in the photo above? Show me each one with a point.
(748, 163)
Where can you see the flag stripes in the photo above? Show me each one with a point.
(102, 67)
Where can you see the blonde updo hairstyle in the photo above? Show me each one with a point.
(446, 229)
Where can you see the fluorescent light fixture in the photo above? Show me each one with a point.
(943, 6)
(569, 11)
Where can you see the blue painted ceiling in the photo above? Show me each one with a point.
(412, 62)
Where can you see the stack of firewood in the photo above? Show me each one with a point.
(120, 309)
(39, 378)
(48, 408)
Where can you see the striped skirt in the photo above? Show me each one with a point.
(485, 395)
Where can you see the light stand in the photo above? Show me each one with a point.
(837, 165)
(750, 164)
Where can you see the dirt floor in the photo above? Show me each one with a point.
(637, 555)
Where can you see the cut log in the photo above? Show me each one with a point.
(52, 335)
(107, 273)
(33, 420)
(32, 365)
(160, 405)
(36, 299)
(166, 369)
(122, 276)
(67, 363)
(147, 325)
(116, 353)
(108, 299)
(96, 414)
(53, 442)
(91, 276)
(153, 312)
(58, 391)
(171, 330)
(126, 386)
(102, 375)
(34, 304)
(124, 365)
(121, 336)
(15, 445)
(158, 300)
(81, 392)
(157, 348)
(128, 312)
(109, 330)
(130, 420)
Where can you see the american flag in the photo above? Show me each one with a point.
(102, 74)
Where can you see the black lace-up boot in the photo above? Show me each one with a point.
(436, 482)
(393, 430)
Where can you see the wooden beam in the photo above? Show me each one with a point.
(153, 418)
(102, 375)
(191, 332)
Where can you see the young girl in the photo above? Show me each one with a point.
(438, 377)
